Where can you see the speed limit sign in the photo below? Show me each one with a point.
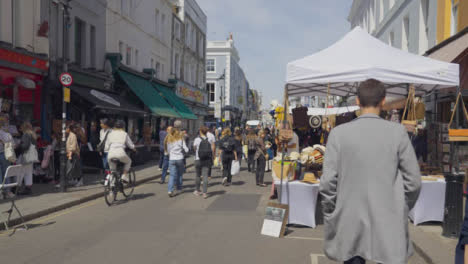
(66, 79)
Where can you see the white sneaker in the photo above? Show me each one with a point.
(224, 181)
(79, 183)
(125, 177)
(159, 169)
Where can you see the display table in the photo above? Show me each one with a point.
(302, 200)
(430, 204)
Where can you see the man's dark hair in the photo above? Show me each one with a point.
(204, 130)
(119, 124)
(371, 92)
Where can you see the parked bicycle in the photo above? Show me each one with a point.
(115, 184)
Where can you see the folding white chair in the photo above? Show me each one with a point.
(12, 172)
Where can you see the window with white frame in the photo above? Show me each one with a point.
(121, 49)
(392, 39)
(210, 65)
(406, 34)
(187, 34)
(454, 19)
(177, 65)
(425, 10)
(211, 89)
(136, 57)
(128, 59)
(156, 23)
(177, 29)
(163, 27)
(92, 45)
(194, 39)
(157, 70)
(162, 72)
(194, 75)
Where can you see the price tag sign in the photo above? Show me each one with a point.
(66, 94)
(66, 79)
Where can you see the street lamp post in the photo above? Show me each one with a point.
(222, 97)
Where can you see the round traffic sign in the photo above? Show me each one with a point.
(66, 79)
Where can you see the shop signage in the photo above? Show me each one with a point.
(105, 98)
(66, 79)
(191, 94)
(276, 217)
(18, 58)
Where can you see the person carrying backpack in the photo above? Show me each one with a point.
(251, 150)
(228, 154)
(204, 154)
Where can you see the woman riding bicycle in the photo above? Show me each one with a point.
(117, 141)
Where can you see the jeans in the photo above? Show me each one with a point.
(227, 162)
(201, 170)
(4, 163)
(161, 158)
(251, 161)
(105, 162)
(177, 170)
(165, 166)
(355, 260)
(261, 162)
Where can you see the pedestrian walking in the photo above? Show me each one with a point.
(6, 140)
(212, 139)
(162, 137)
(27, 153)
(227, 155)
(165, 159)
(175, 146)
(204, 154)
(251, 150)
(238, 145)
(73, 167)
(260, 158)
(461, 250)
(103, 151)
(370, 181)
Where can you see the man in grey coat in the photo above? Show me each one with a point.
(370, 181)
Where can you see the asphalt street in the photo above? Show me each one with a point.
(153, 228)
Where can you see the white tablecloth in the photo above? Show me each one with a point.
(302, 200)
(430, 204)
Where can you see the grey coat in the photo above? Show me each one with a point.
(370, 181)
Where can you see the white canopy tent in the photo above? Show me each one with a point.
(359, 56)
(329, 111)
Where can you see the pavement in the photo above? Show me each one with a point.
(153, 228)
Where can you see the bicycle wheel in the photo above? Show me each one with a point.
(128, 187)
(110, 193)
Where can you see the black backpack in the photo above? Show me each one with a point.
(204, 150)
(228, 144)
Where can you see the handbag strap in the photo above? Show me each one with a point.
(455, 109)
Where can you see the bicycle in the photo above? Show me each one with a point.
(114, 183)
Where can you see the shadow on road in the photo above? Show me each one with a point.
(30, 226)
(211, 194)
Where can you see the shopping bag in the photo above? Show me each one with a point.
(235, 167)
(10, 154)
(216, 162)
(458, 134)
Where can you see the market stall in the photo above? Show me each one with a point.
(431, 201)
(338, 69)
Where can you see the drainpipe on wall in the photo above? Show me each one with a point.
(13, 28)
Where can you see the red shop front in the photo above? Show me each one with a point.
(21, 80)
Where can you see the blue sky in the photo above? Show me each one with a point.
(270, 33)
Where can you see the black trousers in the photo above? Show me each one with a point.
(261, 162)
(227, 163)
(251, 160)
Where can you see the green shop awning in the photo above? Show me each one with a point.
(146, 92)
(173, 99)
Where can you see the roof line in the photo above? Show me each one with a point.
(447, 41)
